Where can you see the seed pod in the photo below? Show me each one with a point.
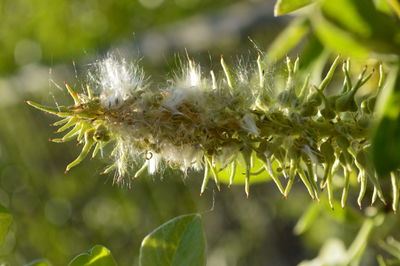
(363, 162)
(328, 113)
(395, 190)
(346, 101)
(308, 109)
(315, 99)
(345, 190)
(328, 153)
(206, 177)
(232, 173)
(329, 75)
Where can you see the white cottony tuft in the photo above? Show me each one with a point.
(118, 80)
(188, 87)
(154, 163)
(248, 123)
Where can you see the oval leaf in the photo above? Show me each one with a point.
(178, 242)
(287, 40)
(337, 39)
(97, 256)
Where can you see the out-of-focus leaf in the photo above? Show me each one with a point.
(5, 222)
(178, 242)
(337, 39)
(386, 138)
(313, 59)
(312, 50)
(240, 173)
(39, 262)
(383, 6)
(395, 4)
(283, 7)
(333, 252)
(381, 34)
(287, 40)
(391, 246)
(350, 17)
(357, 247)
(97, 256)
(307, 219)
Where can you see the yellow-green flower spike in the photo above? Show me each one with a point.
(210, 122)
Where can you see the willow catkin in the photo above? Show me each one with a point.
(200, 121)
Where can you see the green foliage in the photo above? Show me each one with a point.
(287, 40)
(39, 262)
(283, 7)
(97, 256)
(178, 242)
(5, 221)
(68, 30)
(386, 140)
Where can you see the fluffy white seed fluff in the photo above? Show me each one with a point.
(118, 80)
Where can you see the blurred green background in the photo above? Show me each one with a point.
(57, 216)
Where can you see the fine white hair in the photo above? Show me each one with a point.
(118, 80)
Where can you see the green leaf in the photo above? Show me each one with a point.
(307, 219)
(178, 242)
(314, 57)
(287, 40)
(381, 34)
(97, 256)
(39, 262)
(283, 7)
(359, 244)
(333, 252)
(5, 222)
(337, 39)
(386, 138)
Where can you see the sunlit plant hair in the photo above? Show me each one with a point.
(226, 122)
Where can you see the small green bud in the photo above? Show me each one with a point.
(328, 113)
(346, 102)
(315, 99)
(308, 109)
